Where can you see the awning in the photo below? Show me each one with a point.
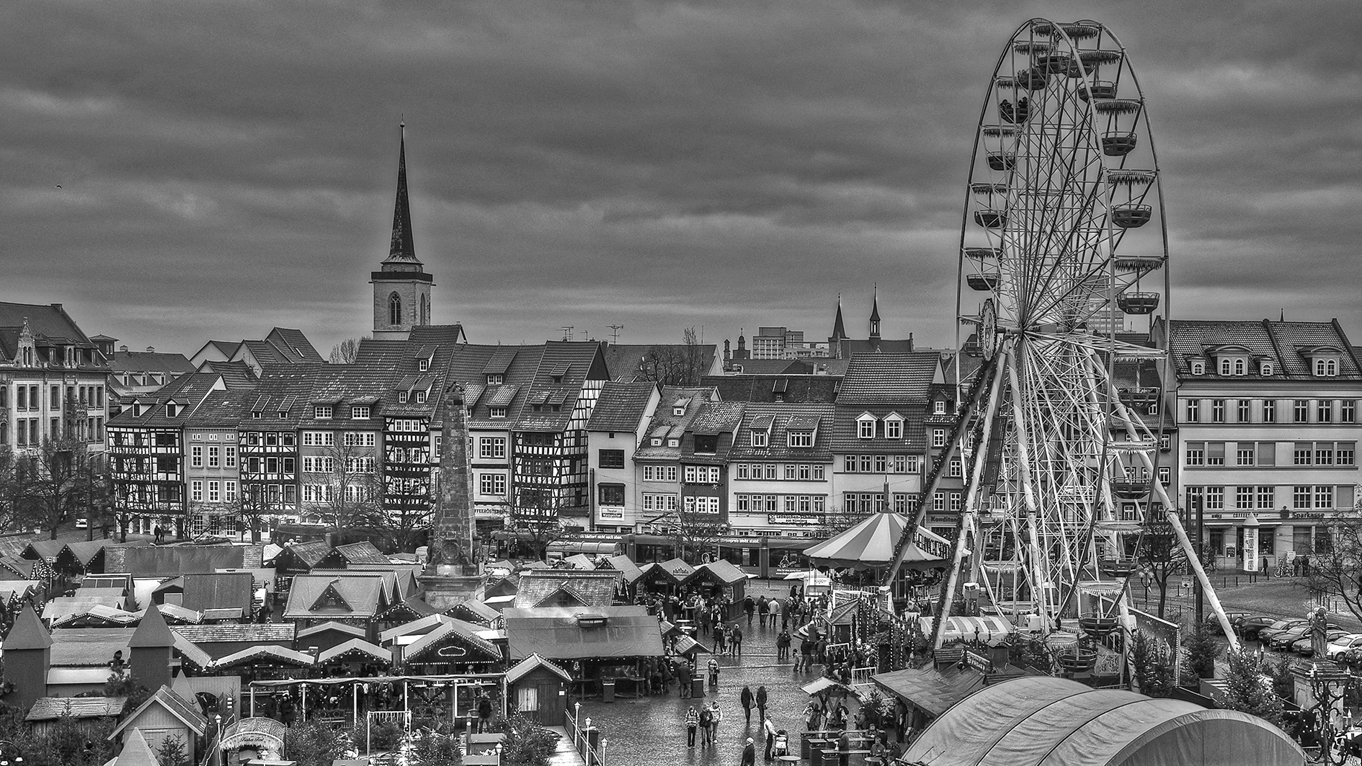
(932, 690)
(686, 646)
(870, 544)
(594, 547)
(819, 685)
(991, 630)
(358, 647)
(263, 733)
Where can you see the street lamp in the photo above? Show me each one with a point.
(1329, 684)
(1146, 578)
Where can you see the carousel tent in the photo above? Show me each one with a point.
(870, 544)
(1045, 721)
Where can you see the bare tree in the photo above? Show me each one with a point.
(351, 488)
(694, 532)
(56, 480)
(13, 499)
(535, 519)
(675, 365)
(1161, 555)
(1336, 565)
(404, 514)
(345, 351)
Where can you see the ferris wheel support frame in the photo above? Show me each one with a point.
(968, 520)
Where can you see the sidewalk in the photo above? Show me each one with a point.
(565, 754)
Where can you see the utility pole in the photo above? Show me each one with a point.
(615, 333)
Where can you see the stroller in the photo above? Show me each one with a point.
(781, 746)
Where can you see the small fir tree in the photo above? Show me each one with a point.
(171, 752)
(1199, 652)
(1248, 690)
(1153, 666)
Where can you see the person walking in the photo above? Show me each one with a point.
(718, 638)
(715, 716)
(749, 754)
(683, 674)
(761, 610)
(706, 721)
(770, 728)
(749, 605)
(713, 674)
(692, 723)
(735, 639)
(761, 700)
(746, 699)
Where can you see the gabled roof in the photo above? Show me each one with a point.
(591, 588)
(777, 421)
(28, 632)
(269, 632)
(152, 632)
(52, 708)
(558, 634)
(889, 378)
(361, 596)
(174, 704)
(523, 668)
(356, 646)
(266, 653)
(331, 626)
(204, 591)
(363, 552)
(452, 631)
(621, 406)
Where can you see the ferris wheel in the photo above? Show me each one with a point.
(1063, 263)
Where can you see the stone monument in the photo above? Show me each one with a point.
(451, 573)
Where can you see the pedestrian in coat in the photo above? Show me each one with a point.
(746, 699)
(715, 716)
(713, 673)
(706, 720)
(762, 611)
(735, 640)
(683, 674)
(692, 723)
(761, 700)
(749, 754)
(749, 605)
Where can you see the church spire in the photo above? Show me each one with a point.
(839, 330)
(403, 248)
(875, 315)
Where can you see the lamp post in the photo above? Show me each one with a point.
(1145, 578)
(5, 760)
(1329, 684)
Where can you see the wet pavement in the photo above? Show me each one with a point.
(651, 730)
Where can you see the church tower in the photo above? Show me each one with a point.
(875, 319)
(401, 285)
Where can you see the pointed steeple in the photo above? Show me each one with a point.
(875, 315)
(28, 632)
(403, 248)
(839, 330)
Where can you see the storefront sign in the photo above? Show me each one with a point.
(451, 651)
(795, 519)
(978, 662)
(610, 513)
(936, 518)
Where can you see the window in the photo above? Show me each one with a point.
(1244, 414)
(955, 501)
(1302, 453)
(1165, 475)
(1198, 367)
(1217, 410)
(1241, 366)
(420, 397)
(492, 484)
(1347, 411)
(1225, 365)
(196, 491)
(214, 459)
(612, 458)
(791, 471)
(1243, 498)
(229, 491)
(850, 466)
(1269, 411)
(740, 472)
(214, 491)
(495, 378)
(1324, 454)
(818, 473)
(229, 457)
(1196, 453)
(938, 437)
(1344, 453)
(1215, 453)
(402, 397)
(799, 439)
(865, 426)
(496, 413)
(359, 412)
(938, 501)
(1302, 410)
(196, 456)
(491, 447)
(1324, 411)
(1245, 454)
(1324, 495)
(706, 444)
(939, 407)
(322, 412)
(881, 463)
(865, 464)
(1326, 368)
(394, 309)
(893, 427)
(1215, 498)
(1302, 496)
(1267, 496)
(172, 409)
(759, 438)
(955, 468)
(1193, 411)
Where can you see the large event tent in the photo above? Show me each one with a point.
(870, 544)
(1045, 721)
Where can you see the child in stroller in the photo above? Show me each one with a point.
(782, 744)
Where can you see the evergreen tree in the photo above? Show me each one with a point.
(1199, 652)
(1153, 666)
(1248, 690)
(171, 752)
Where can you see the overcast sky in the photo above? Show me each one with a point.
(228, 167)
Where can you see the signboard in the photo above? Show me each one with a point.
(1108, 662)
(1185, 587)
(794, 519)
(451, 651)
(610, 513)
(977, 661)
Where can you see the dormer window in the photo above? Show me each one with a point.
(1241, 367)
(1326, 368)
(321, 412)
(799, 439)
(1198, 367)
(679, 410)
(136, 408)
(402, 397)
(495, 379)
(759, 438)
(1265, 368)
(420, 397)
(893, 424)
(423, 365)
(865, 426)
(496, 412)
(673, 442)
(359, 413)
(938, 407)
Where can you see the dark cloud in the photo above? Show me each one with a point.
(228, 167)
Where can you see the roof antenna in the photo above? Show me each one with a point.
(1282, 316)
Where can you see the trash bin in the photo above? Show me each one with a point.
(697, 687)
(608, 690)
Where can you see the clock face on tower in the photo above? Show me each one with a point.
(988, 329)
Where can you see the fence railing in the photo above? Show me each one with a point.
(582, 736)
(861, 676)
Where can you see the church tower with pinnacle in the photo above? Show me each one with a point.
(401, 285)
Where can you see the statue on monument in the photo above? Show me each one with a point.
(1319, 632)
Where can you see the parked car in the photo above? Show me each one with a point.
(1265, 634)
(1305, 645)
(82, 523)
(1340, 646)
(1283, 641)
(1248, 627)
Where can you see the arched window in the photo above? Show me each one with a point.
(425, 310)
(394, 309)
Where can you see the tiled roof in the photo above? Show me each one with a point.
(717, 418)
(218, 591)
(176, 705)
(1286, 344)
(762, 388)
(149, 361)
(847, 348)
(48, 322)
(627, 362)
(363, 552)
(188, 391)
(52, 708)
(780, 419)
(621, 406)
(664, 421)
(889, 378)
(846, 434)
(363, 595)
(593, 588)
(294, 344)
(231, 632)
(763, 367)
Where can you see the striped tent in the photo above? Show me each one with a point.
(870, 545)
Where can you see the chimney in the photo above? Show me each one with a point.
(123, 348)
(151, 349)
